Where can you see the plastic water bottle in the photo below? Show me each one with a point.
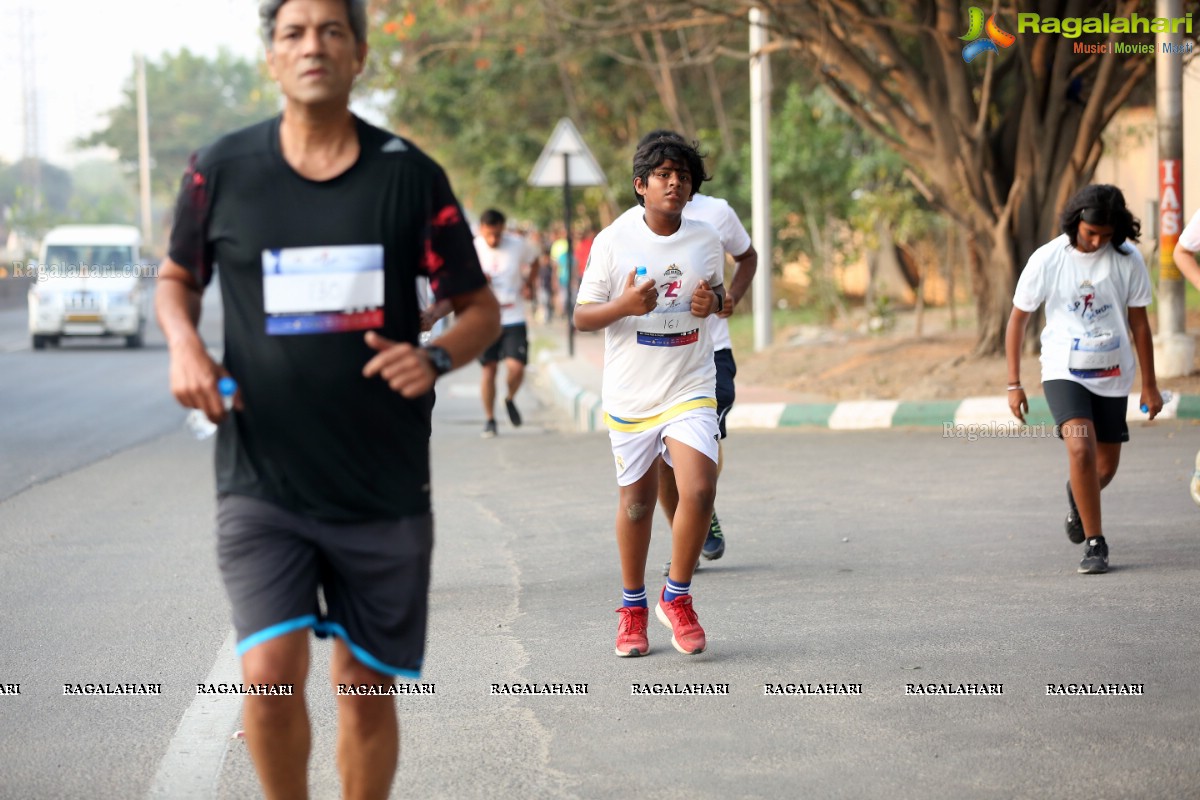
(1166, 396)
(200, 425)
(641, 274)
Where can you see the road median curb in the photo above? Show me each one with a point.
(583, 407)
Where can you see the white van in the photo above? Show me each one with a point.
(88, 283)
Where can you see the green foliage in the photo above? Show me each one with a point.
(103, 195)
(191, 100)
(481, 85)
(31, 214)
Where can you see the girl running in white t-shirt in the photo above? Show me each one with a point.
(1096, 289)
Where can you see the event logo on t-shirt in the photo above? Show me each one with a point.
(331, 289)
(671, 323)
(1086, 305)
(1097, 355)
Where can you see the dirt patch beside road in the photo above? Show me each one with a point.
(850, 365)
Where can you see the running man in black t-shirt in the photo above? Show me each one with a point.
(321, 226)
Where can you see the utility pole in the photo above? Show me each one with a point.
(31, 144)
(1174, 349)
(143, 129)
(760, 175)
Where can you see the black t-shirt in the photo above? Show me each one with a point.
(330, 259)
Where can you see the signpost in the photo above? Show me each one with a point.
(566, 161)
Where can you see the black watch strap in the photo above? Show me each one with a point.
(439, 359)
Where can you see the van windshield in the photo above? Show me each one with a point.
(67, 256)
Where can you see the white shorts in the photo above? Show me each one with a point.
(634, 453)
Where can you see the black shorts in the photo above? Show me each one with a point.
(374, 577)
(1070, 400)
(726, 370)
(513, 343)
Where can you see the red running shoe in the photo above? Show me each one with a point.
(631, 632)
(686, 634)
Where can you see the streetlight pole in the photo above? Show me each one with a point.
(1175, 350)
(760, 175)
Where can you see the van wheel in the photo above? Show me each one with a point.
(39, 342)
(135, 341)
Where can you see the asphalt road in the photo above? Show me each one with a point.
(876, 558)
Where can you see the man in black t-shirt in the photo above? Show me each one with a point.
(321, 225)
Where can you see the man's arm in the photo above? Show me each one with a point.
(1186, 261)
(530, 287)
(744, 267)
(435, 312)
(193, 373)
(407, 369)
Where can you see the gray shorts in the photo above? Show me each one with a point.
(373, 576)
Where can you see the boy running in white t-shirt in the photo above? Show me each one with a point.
(1096, 289)
(659, 388)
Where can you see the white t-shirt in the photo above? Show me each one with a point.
(504, 267)
(1190, 238)
(662, 359)
(1086, 338)
(734, 238)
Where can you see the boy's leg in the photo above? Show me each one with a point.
(516, 374)
(368, 737)
(277, 728)
(487, 389)
(635, 518)
(668, 492)
(696, 473)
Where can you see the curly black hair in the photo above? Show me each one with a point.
(653, 152)
(1101, 204)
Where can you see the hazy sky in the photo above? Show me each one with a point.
(84, 54)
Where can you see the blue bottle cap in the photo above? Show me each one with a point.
(227, 386)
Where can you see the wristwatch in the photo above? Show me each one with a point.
(439, 359)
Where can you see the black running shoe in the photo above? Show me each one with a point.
(1074, 524)
(489, 430)
(1095, 560)
(514, 416)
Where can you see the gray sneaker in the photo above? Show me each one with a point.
(667, 568)
(489, 430)
(1095, 560)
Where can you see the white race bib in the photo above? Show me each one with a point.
(671, 323)
(323, 289)
(1095, 356)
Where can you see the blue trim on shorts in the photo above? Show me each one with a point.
(324, 629)
(275, 631)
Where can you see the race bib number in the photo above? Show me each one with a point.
(323, 289)
(1095, 356)
(667, 328)
(671, 323)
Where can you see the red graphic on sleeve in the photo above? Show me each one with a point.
(432, 262)
(446, 217)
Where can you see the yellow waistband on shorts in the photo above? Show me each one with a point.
(636, 425)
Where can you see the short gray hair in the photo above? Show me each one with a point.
(356, 11)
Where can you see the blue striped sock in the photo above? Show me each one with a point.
(675, 589)
(633, 598)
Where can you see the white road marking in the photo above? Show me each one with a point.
(192, 764)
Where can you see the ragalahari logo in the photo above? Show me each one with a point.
(995, 39)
